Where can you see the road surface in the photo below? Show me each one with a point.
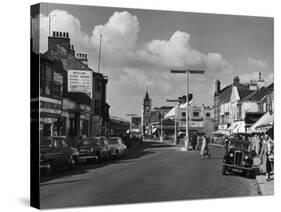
(152, 172)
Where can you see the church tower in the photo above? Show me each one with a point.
(147, 104)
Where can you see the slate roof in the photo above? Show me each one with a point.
(70, 62)
(257, 95)
(225, 93)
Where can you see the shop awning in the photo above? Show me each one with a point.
(154, 130)
(240, 128)
(232, 126)
(172, 112)
(265, 121)
(221, 132)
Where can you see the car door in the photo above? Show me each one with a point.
(57, 153)
(67, 151)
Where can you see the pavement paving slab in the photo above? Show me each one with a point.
(265, 187)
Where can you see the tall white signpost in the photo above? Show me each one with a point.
(187, 72)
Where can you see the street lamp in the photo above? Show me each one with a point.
(187, 72)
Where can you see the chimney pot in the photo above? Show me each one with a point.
(60, 34)
(64, 34)
(54, 33)
(260, 75)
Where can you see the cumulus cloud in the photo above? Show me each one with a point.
(130, 64)
(64, 22)
(120, 33)
(257, 63)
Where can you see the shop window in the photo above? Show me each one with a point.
(48, 78)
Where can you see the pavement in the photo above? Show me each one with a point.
(152, 172)
(265, 187)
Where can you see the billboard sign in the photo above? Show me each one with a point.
(80, 81)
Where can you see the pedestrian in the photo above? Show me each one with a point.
(198, 141)
(266, 157)
(226, 144)
(194, 141)
(204, 147)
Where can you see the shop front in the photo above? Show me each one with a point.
(51, 122)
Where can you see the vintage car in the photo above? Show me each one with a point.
(117, 148)
(239, 158)
(93, 149)
(56, 152)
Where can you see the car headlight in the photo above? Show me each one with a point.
(231, 155)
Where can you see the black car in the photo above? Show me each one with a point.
(93, 149)
(56, 152)
(238, 158)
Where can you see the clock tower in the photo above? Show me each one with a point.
(147, 114)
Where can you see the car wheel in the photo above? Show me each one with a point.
(72, 164)
(99, 157)
(249, 174)
(49, 169)
(223, 170)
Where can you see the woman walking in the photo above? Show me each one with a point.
(266, 156)
(204, 147)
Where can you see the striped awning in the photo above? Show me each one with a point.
(265, 121)
(240, 127)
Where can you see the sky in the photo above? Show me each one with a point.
(139, 47)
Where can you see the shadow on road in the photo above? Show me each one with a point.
(137, 150)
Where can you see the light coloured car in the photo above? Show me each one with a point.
(117, 148)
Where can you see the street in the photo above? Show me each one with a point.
(151, 172)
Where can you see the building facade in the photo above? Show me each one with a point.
(84, 110)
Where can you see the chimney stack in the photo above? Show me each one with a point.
(82, 57)
(59, 38)
(217, 87)
(236, 81)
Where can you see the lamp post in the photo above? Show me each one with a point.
(187, 72)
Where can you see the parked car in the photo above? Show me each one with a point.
(93, 148)
(56, 152)
(239, 159)
(117, 148)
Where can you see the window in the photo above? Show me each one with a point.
(57, 89)
(195, 113)
(208, 115)
(183, 114)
